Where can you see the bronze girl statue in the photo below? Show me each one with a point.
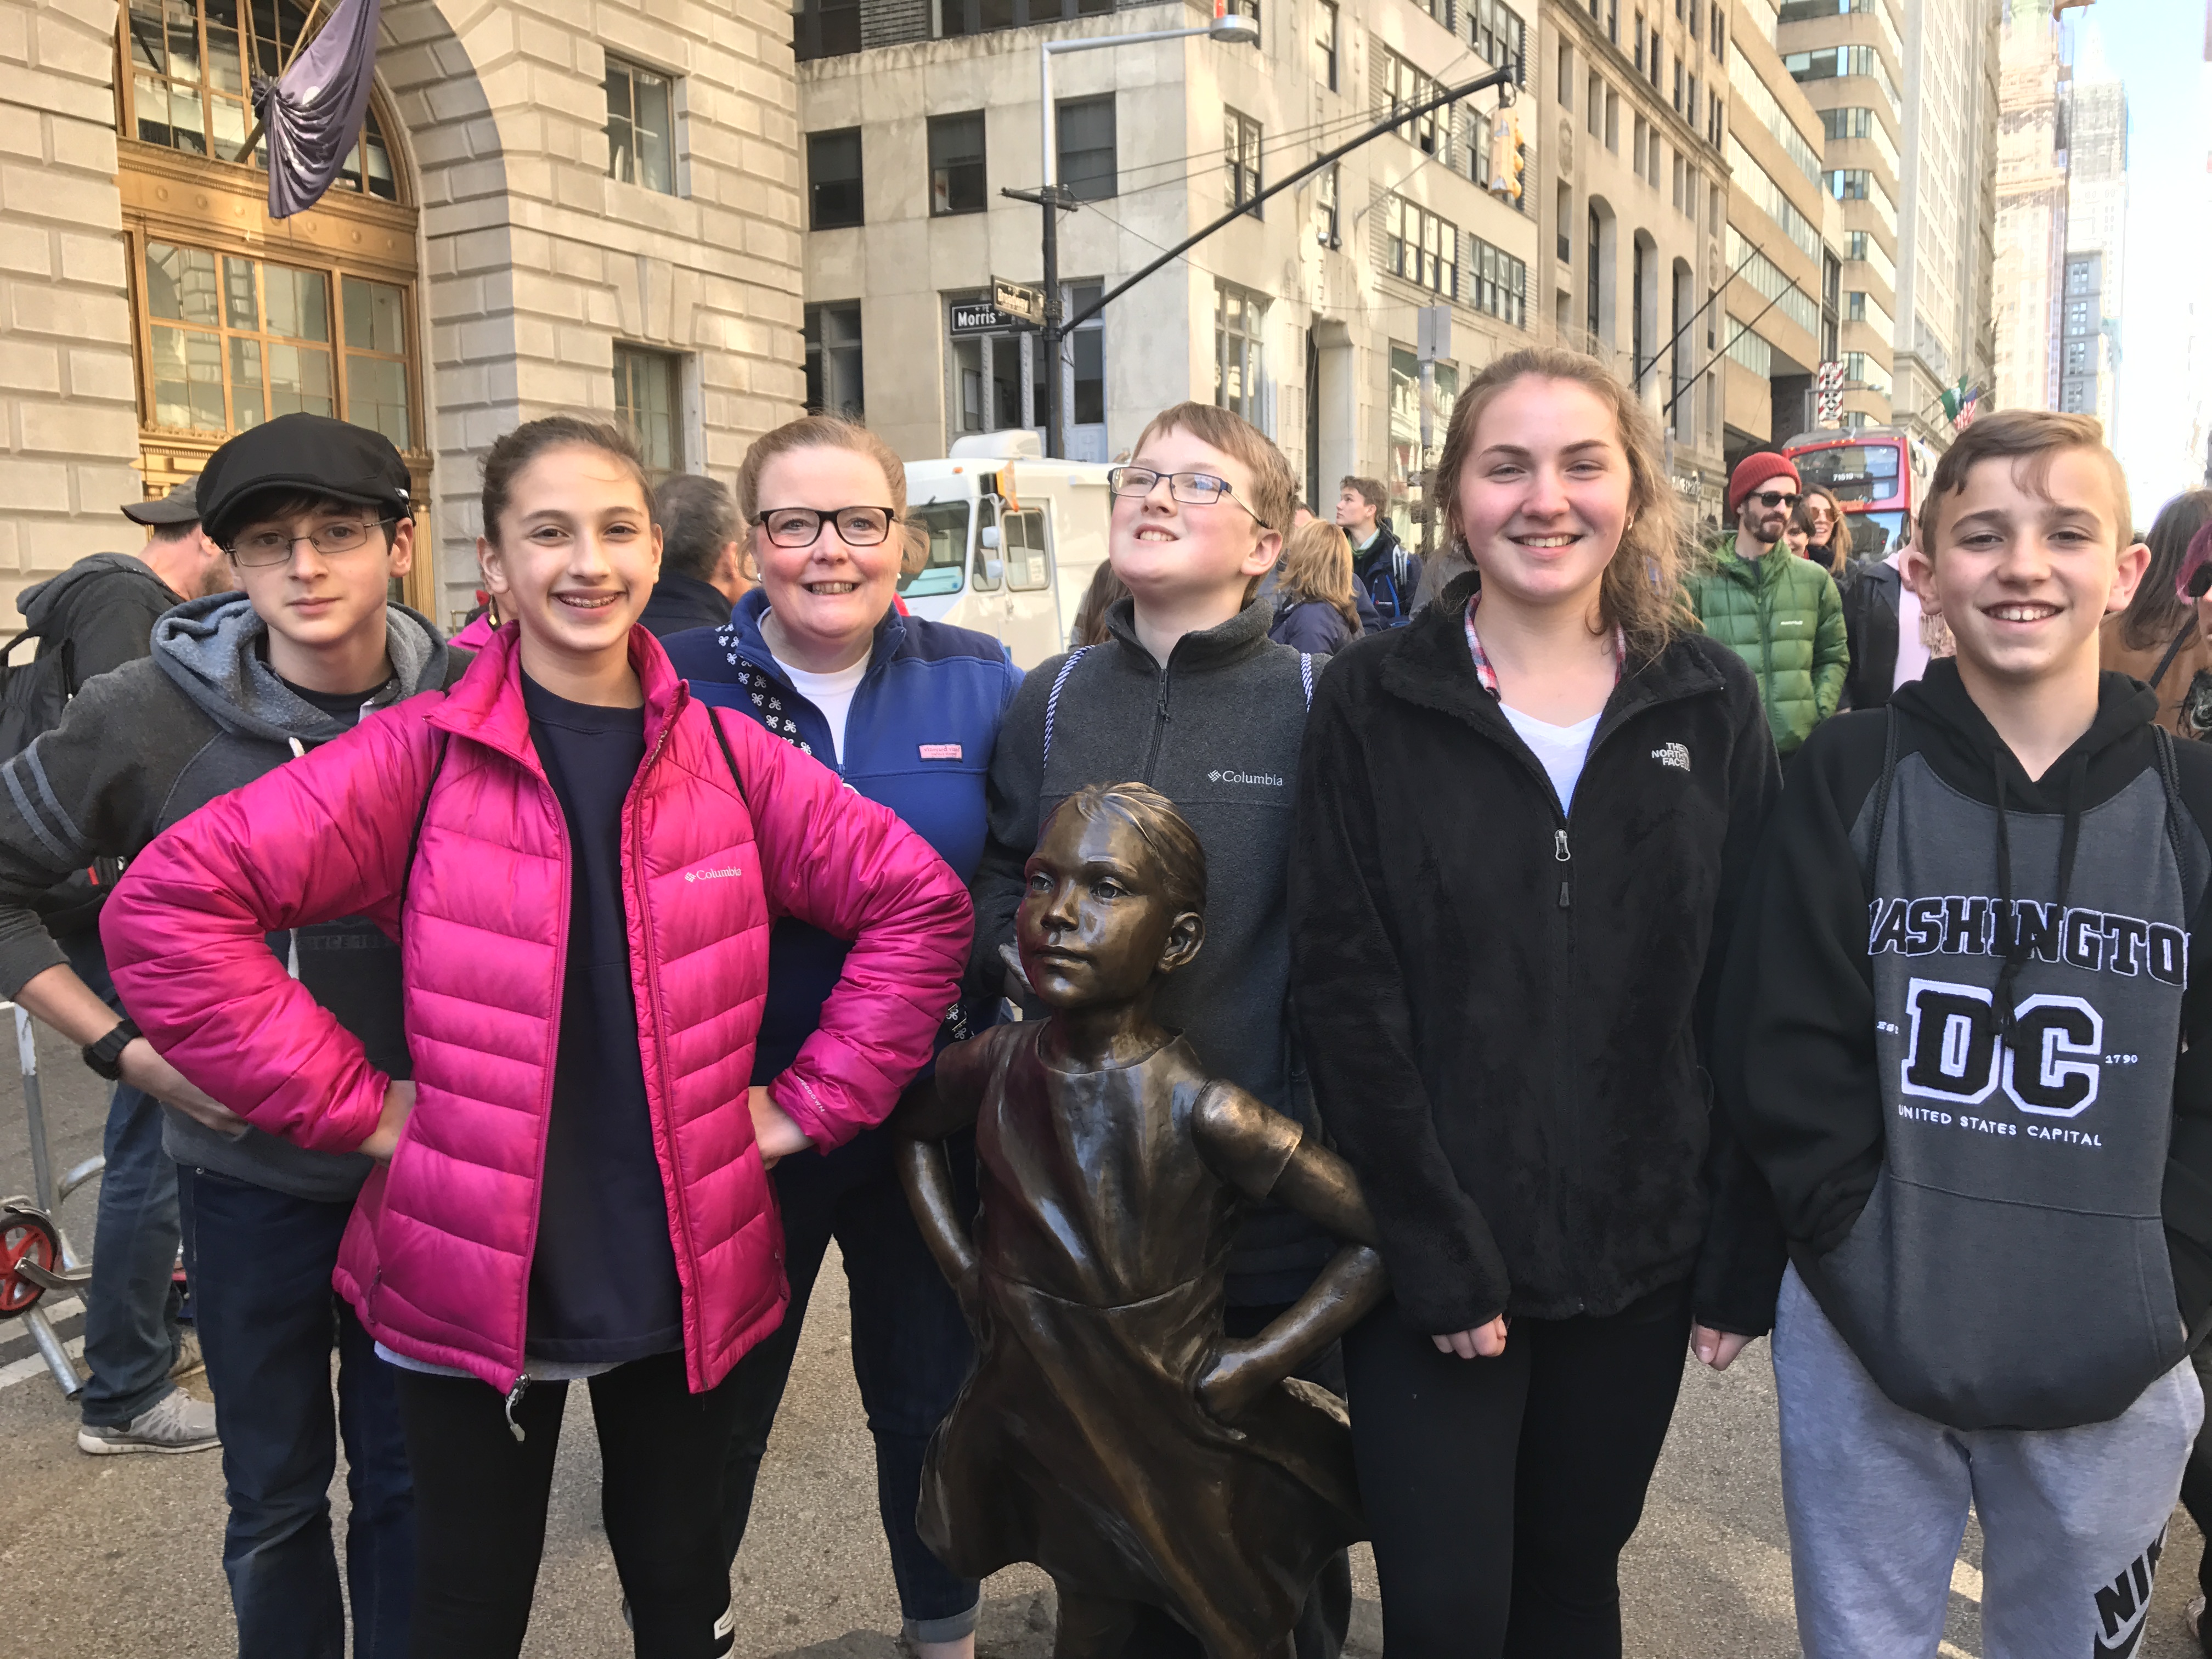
(1169, 1480)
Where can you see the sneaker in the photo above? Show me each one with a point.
(2195, 1618)
(189, 1359)
(177, 1423)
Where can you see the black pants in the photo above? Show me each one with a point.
(480, 1500)
(1502, 1491)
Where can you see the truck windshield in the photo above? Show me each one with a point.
(942, 526)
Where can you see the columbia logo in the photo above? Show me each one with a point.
(1267, 778)
(1675, 755)
(710, 875)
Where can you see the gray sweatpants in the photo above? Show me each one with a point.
(2073, 1520)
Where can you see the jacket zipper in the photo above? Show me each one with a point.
(1160, 718)
(687, 1268)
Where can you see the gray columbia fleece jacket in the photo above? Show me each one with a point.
(150, 743)
(1216, 732)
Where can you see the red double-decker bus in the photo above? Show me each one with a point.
(1869, 470)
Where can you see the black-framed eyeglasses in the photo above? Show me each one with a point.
(259, 548)
(799, 527)
(1771, 498)
(1191, 488)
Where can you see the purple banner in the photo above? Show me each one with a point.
(314, 111)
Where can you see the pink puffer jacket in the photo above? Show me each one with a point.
(437, 1258)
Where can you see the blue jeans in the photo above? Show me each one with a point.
(911, 1352)
(268, 1320)
(130, 1306)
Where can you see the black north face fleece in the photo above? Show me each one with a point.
(1995, 1175)
(1505, 1006)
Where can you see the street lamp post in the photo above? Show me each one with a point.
(1228, 28)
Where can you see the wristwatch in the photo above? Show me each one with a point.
(105, 1056)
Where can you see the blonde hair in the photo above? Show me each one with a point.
(1641, 591)
(1274, 486)
(1317, 565)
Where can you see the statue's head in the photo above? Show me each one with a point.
(1117, 893)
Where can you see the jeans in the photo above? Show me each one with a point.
(130, 1306)
(484, 1494)
(268, 1320)
(911, 1352)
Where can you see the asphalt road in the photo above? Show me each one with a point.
(101, 1557)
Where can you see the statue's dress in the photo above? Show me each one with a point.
(1079, 1442)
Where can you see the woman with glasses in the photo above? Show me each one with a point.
(906, 711)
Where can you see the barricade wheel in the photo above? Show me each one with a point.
(26, 1235)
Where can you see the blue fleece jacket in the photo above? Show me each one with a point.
(918, 738)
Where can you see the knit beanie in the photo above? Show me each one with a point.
(1754, 471)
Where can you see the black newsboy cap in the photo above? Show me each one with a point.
(295, 454)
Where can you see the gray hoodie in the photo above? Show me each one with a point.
(145, 745)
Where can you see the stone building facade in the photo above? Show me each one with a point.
(1303, 317)
(554, 209)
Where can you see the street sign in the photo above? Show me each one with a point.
(1018, 301)
(977, 319)
(1433, 334)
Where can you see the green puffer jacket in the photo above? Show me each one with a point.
(1782, 616)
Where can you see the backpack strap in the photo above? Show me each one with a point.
(729, 755)
(421, 813)
(2169, 774)
(1306, 675)
(1052, 703)
(1868, 870)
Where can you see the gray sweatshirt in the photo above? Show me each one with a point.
(1216, 732)
(145, 745)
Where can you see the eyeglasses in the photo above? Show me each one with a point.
(1191, 488)
(799, 527)
(1770, 498)
(260, 548)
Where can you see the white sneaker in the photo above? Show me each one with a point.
(189, 1359)
(175, 1423)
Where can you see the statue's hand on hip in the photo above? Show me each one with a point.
(1240, 1374)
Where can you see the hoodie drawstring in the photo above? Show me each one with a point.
(2069, 837)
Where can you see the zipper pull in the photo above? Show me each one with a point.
(1559, 852)
(1565, 904)
(514, 1399)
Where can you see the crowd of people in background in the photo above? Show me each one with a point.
(525, 1010)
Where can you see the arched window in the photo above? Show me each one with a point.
(242, 317)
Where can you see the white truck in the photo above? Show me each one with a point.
(1013, 540)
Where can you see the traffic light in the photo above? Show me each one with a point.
(1507, 155)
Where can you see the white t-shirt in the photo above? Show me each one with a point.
(1560, 749)
(830, 693)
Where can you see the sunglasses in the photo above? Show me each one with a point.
(1771, 498)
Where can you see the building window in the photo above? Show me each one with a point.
(956, 183)
(1239, 328)
(1498, 35)
(1860, 369)
(1324, 44)
(1563, 219)
(1498, 282)
(833, 179)
(1591, 283)
(234, 342)
(641, 126)
(826, 28)
(1085, 128)
(1613, 21)
(1087, 346)
(1719, 36)
(1613, 121)
(1596, 106)
(1240, 150)
(1656, 57)
(982, 16)
(1835, 62)
(833, 361)
(1566, 92)
(1640, 43)
(189, 75)
(648, 400)
(1247, 9)
(1328, 228)
(1677, 86)
(1406, 86)
(1420, 247)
